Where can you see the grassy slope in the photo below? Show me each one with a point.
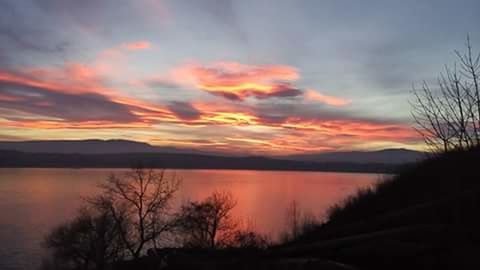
(425, 218)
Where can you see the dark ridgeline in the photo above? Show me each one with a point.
(386, 156)
(124, 154)
(179, 161)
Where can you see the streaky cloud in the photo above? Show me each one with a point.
(330, 100)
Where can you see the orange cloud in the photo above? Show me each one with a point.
(354, 129)
(295, 133)
(72, 78)
(73, 96)
(44, 124)
(330, 100)
(344, 127)
(137, 45)
(231, 118)
(237, 81)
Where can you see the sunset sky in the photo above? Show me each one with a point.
(251, 77)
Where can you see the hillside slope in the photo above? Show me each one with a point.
(424, 218)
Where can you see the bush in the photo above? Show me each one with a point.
(90, 241)
(208, 223)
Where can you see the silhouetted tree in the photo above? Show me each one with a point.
(208, 223)
(470, 69)
(138, 201)
(90, 241)
(297, 222)
(448, 117)
(293, 219)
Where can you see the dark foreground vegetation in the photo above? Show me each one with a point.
(423, 218)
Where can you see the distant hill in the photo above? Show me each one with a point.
(124, 153)
(92, 147)
(387, 156)
(9, 158)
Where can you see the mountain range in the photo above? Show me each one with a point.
(123, 153)
(92, 146)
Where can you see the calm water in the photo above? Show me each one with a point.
(32, 201)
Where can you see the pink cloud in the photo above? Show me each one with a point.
(330, 100)
(236, 81)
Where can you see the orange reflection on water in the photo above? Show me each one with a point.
(33, 201)
(263, 196)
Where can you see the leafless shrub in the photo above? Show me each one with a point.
(298, 222)
(448, 116)
(90, 241)
(208, 223)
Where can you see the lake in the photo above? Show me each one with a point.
(33, 201)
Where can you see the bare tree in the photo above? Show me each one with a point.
(298, 222)
(429, 118)
(208, 223)
(294, 216)
(448, 116)
(90, 241)
(139, 203)
(470, 69)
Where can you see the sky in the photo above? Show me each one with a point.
(245, 76)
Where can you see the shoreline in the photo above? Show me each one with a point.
(204, 169)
